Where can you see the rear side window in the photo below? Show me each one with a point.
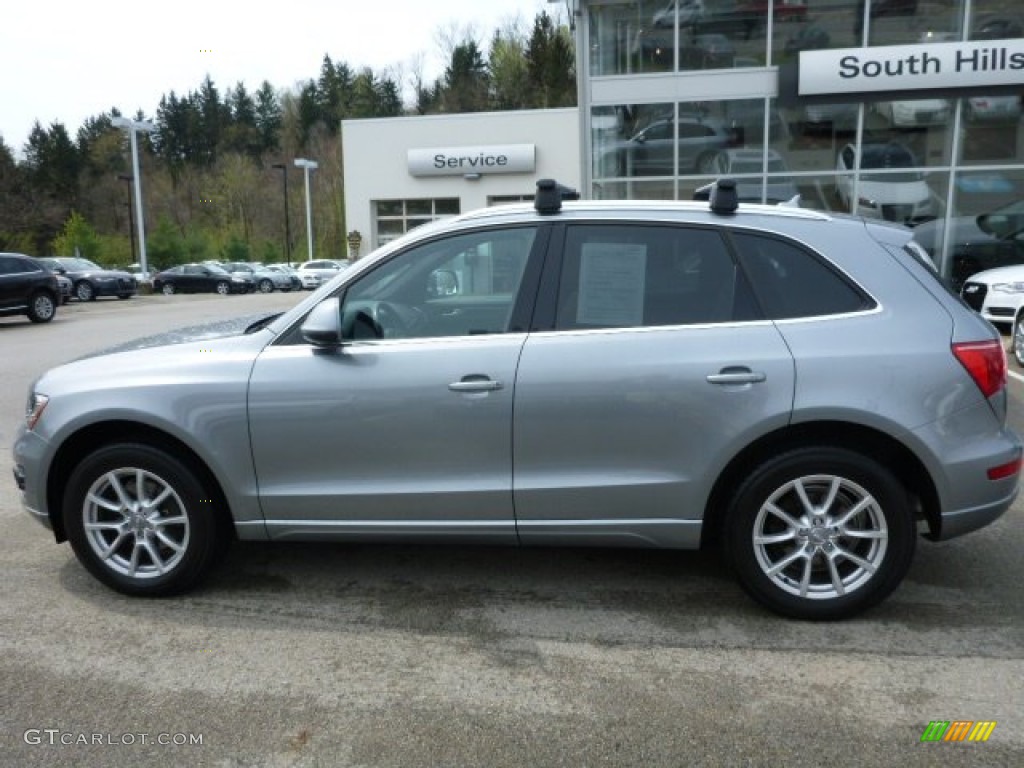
(791, 282)
(625, 276)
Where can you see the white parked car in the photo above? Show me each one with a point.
(313, 273)
(909, 114)
(998, 295)
(978, 108)
(894, 192)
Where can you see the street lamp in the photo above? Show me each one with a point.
(133, 127)
(131, 224)
(287, 218)
(307, 166)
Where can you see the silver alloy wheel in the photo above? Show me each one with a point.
(820, 537)
(135, 523)
(167, 289)
(266, 286)
(43, 307)
(84, 291)
(1018, 340)
(223, 288)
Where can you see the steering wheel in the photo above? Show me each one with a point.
(389, 319)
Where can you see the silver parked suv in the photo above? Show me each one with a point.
(794, 386)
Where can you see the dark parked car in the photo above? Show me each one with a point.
(27, 288)
(90, 280)
(199, 278)
(979, 243)
(634, 373)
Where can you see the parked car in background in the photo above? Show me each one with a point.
(27, 288)
(263, 280)
(978, 244)
(313, 273)
(998, 295)
(651, 151)
(89, 280)
(916, 113)
(285, 269)
(992, 108)
(635, 373)
(199, 278)
(730, 163)
(887, 187)
(141, 278)
(66, 288)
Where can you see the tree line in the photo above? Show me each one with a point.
(212, 176)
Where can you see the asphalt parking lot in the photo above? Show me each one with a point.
(334, 655)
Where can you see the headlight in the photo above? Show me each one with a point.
(1017, 287)
(34, 409)
(867, 202)
(238, 280)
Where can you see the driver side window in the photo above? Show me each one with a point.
(464, 285)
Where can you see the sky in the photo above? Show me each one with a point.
(68, 60)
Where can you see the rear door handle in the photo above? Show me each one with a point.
(736, 375)
(475, 383)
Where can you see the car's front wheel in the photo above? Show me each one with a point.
(85, 292)
(266, 286)
(141, 521)
(222, 288)
(820, 533)
(167, 289)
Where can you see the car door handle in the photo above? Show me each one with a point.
(736, 376)
(475, 384)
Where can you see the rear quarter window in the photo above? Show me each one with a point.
(791, 282)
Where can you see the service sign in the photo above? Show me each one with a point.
(912, 67)
(460, 161)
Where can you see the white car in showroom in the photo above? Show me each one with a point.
(887, 188)
(998, 296)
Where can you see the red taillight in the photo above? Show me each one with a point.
(985, 361)
(1004, 470)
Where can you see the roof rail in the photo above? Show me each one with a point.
(550, 195)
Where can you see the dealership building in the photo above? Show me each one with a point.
(905, 110)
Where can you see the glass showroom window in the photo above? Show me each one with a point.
(396, 217)
(631, 36)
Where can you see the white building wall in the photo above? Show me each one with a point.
(375, 153)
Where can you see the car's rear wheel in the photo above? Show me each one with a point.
(167, 289)
(85, 292)
(41, 307)
(222, 288)
(820, 533)
(1018, 339)
(141, 521)
(266, 286)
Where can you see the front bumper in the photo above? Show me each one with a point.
(30, 455)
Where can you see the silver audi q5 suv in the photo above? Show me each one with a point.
(795, 387)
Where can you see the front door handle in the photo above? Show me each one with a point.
(736, 375)
(475, 383)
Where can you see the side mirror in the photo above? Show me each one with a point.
(322, 326)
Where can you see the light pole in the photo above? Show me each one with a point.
(287, 218)
(131, 224)
(307, 166)
(133, 127)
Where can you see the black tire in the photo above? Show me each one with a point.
(1017, 339)
(222, 288)
(266, 286)
(167, 289)
(135, 533)
(42, 307)
(84, 291)
(804, 567)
